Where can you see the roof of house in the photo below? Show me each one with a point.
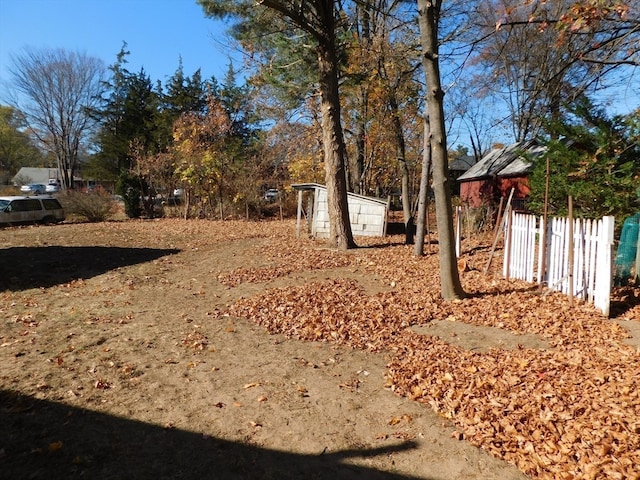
(34, 175)
(512, 160)
(462, 163)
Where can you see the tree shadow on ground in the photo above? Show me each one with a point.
(33, 267)
(43, 439)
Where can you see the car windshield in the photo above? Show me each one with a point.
(3, 204)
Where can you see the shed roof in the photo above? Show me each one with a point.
(512, 160)
(315, 186)
(306, 186)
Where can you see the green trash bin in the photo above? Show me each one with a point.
(627, 250)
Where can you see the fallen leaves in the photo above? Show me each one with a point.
(548, 411)
(195, 340)
(55, 446)
(102, 384)
(571, 411)
(402, 418)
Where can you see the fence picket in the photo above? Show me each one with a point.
(593, 253)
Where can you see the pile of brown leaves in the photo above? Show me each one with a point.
(569, 412)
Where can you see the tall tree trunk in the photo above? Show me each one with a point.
(423, 203)
(357, 177)
(428, 16)
(340, 234)
(398, 135)
(358, 166)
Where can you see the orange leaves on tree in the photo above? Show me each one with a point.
(199, 149)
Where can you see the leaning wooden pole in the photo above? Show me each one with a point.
(507, 212)
(499, 217)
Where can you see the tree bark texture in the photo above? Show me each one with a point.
(358, 164)
(423, 194)
(428, 16)
(340, 234)
(401, 156)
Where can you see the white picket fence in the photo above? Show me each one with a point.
(590, 276)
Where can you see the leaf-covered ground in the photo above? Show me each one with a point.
(571, 411)
(141, 320)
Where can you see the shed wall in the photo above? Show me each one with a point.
(367, 217)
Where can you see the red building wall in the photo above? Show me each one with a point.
(476, 193)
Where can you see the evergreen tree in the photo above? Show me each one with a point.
(113, 144)
(185, 94)
(595, 160)
(236, 100)
(129, 113)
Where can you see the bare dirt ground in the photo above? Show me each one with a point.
(172, 349)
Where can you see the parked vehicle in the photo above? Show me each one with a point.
(34, 188)
(25, 210)
(53, 186)
(271, 194)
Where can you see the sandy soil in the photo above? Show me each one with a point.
(119, 361)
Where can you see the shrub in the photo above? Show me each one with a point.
(94, 207)
(129, 188)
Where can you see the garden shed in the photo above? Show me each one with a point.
(367, 215)
(498, 172)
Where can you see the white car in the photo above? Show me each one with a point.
(24, 210)
(33, 188)
(271, 194)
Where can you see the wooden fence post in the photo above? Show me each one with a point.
(299, 213)
(604, 278)
(571, 252)
(507, 212)
(586, 272)
(458, 230)
(508, 244)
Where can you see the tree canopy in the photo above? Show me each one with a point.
(56, 91)
(594, 159)
(333, 92)
(16, 146)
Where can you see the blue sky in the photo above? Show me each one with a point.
(157, 32)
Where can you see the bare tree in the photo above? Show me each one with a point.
(540, 56)
(55, 90)
(428, 19)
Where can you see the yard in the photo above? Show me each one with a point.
(196, 349)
